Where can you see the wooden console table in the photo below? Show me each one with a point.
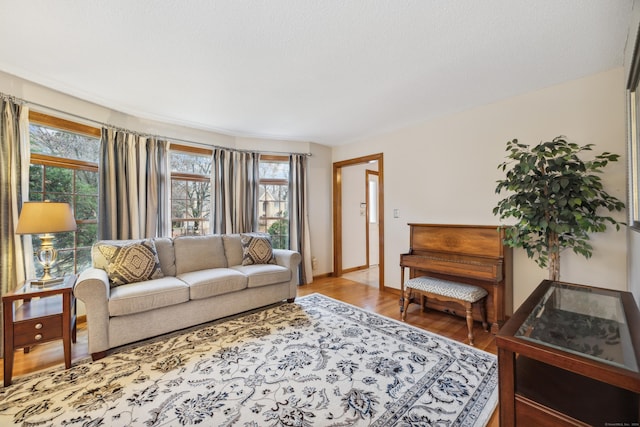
(569, 357)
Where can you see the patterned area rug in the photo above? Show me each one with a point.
(317, 362)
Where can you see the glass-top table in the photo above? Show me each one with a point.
(589, 322)
(569, 356)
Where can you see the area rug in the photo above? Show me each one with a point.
(316, 362)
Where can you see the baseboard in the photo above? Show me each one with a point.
(323, 276)
(352, 269)
(393, 291)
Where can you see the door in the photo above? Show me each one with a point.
(339, 204)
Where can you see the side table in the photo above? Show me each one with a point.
(47, 313)
(569, 357)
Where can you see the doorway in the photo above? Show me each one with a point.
(373, 230)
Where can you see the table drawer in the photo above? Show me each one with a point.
(33, 331)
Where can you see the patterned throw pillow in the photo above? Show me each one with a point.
(256, 249)
(130, 263)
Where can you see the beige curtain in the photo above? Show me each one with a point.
(299, 235)
(134, 186)
(235, 182)
(16, 253)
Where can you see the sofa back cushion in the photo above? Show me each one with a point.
(232, 249)
(166, 255)
(195, 253)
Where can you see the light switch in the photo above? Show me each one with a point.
(396, 213)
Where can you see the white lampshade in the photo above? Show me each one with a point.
(45, 217)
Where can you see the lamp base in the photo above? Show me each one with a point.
(46, 282)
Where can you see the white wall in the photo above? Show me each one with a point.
(445, 170)
(65, 106)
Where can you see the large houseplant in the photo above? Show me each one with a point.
(555, 198)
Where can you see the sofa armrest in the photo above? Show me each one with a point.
(291, 260)
(287, 258)
(93, 289)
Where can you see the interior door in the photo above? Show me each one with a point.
(338, 226)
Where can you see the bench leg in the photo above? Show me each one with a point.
(483, 313)
(407, 300)
(469, 308)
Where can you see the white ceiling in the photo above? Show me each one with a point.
(326, 71)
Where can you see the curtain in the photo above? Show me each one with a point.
(299, 215)
(15, 268)
(235, 183)
(134, 186)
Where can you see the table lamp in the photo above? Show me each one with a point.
(46, 218)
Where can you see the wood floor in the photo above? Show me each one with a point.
(368, 297)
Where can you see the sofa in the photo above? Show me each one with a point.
(137, 289)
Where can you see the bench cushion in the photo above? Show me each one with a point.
(461, 291)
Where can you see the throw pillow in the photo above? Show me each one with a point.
(130, 263)
(257, 249)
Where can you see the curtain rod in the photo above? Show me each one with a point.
(17, 100)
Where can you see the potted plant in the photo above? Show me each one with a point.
(555, 198)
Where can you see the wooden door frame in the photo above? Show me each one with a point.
(337, 212)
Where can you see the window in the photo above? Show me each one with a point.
(64, 168)
(273, 210)
(633, 110)
(190, 191)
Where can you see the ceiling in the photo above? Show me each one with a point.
(324, 71)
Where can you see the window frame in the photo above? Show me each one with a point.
(45, 160)
(189, 177)
(633, 111)
(275, 181)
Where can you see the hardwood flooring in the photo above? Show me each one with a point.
(361, 295)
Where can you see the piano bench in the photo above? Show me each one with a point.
(444, 290)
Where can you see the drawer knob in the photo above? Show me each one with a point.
(38, 325)
(38, 337)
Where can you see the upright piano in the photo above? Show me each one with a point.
(472, 254)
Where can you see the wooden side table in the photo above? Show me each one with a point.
(569, 357)
(47, 313)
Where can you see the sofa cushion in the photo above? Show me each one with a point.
(166, 255)
(232, 249)
(148, 295)
(264, 274)
(130, 262)
(257, 249)
(216, 281)
(195, 253)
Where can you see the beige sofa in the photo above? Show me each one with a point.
(203, 279)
